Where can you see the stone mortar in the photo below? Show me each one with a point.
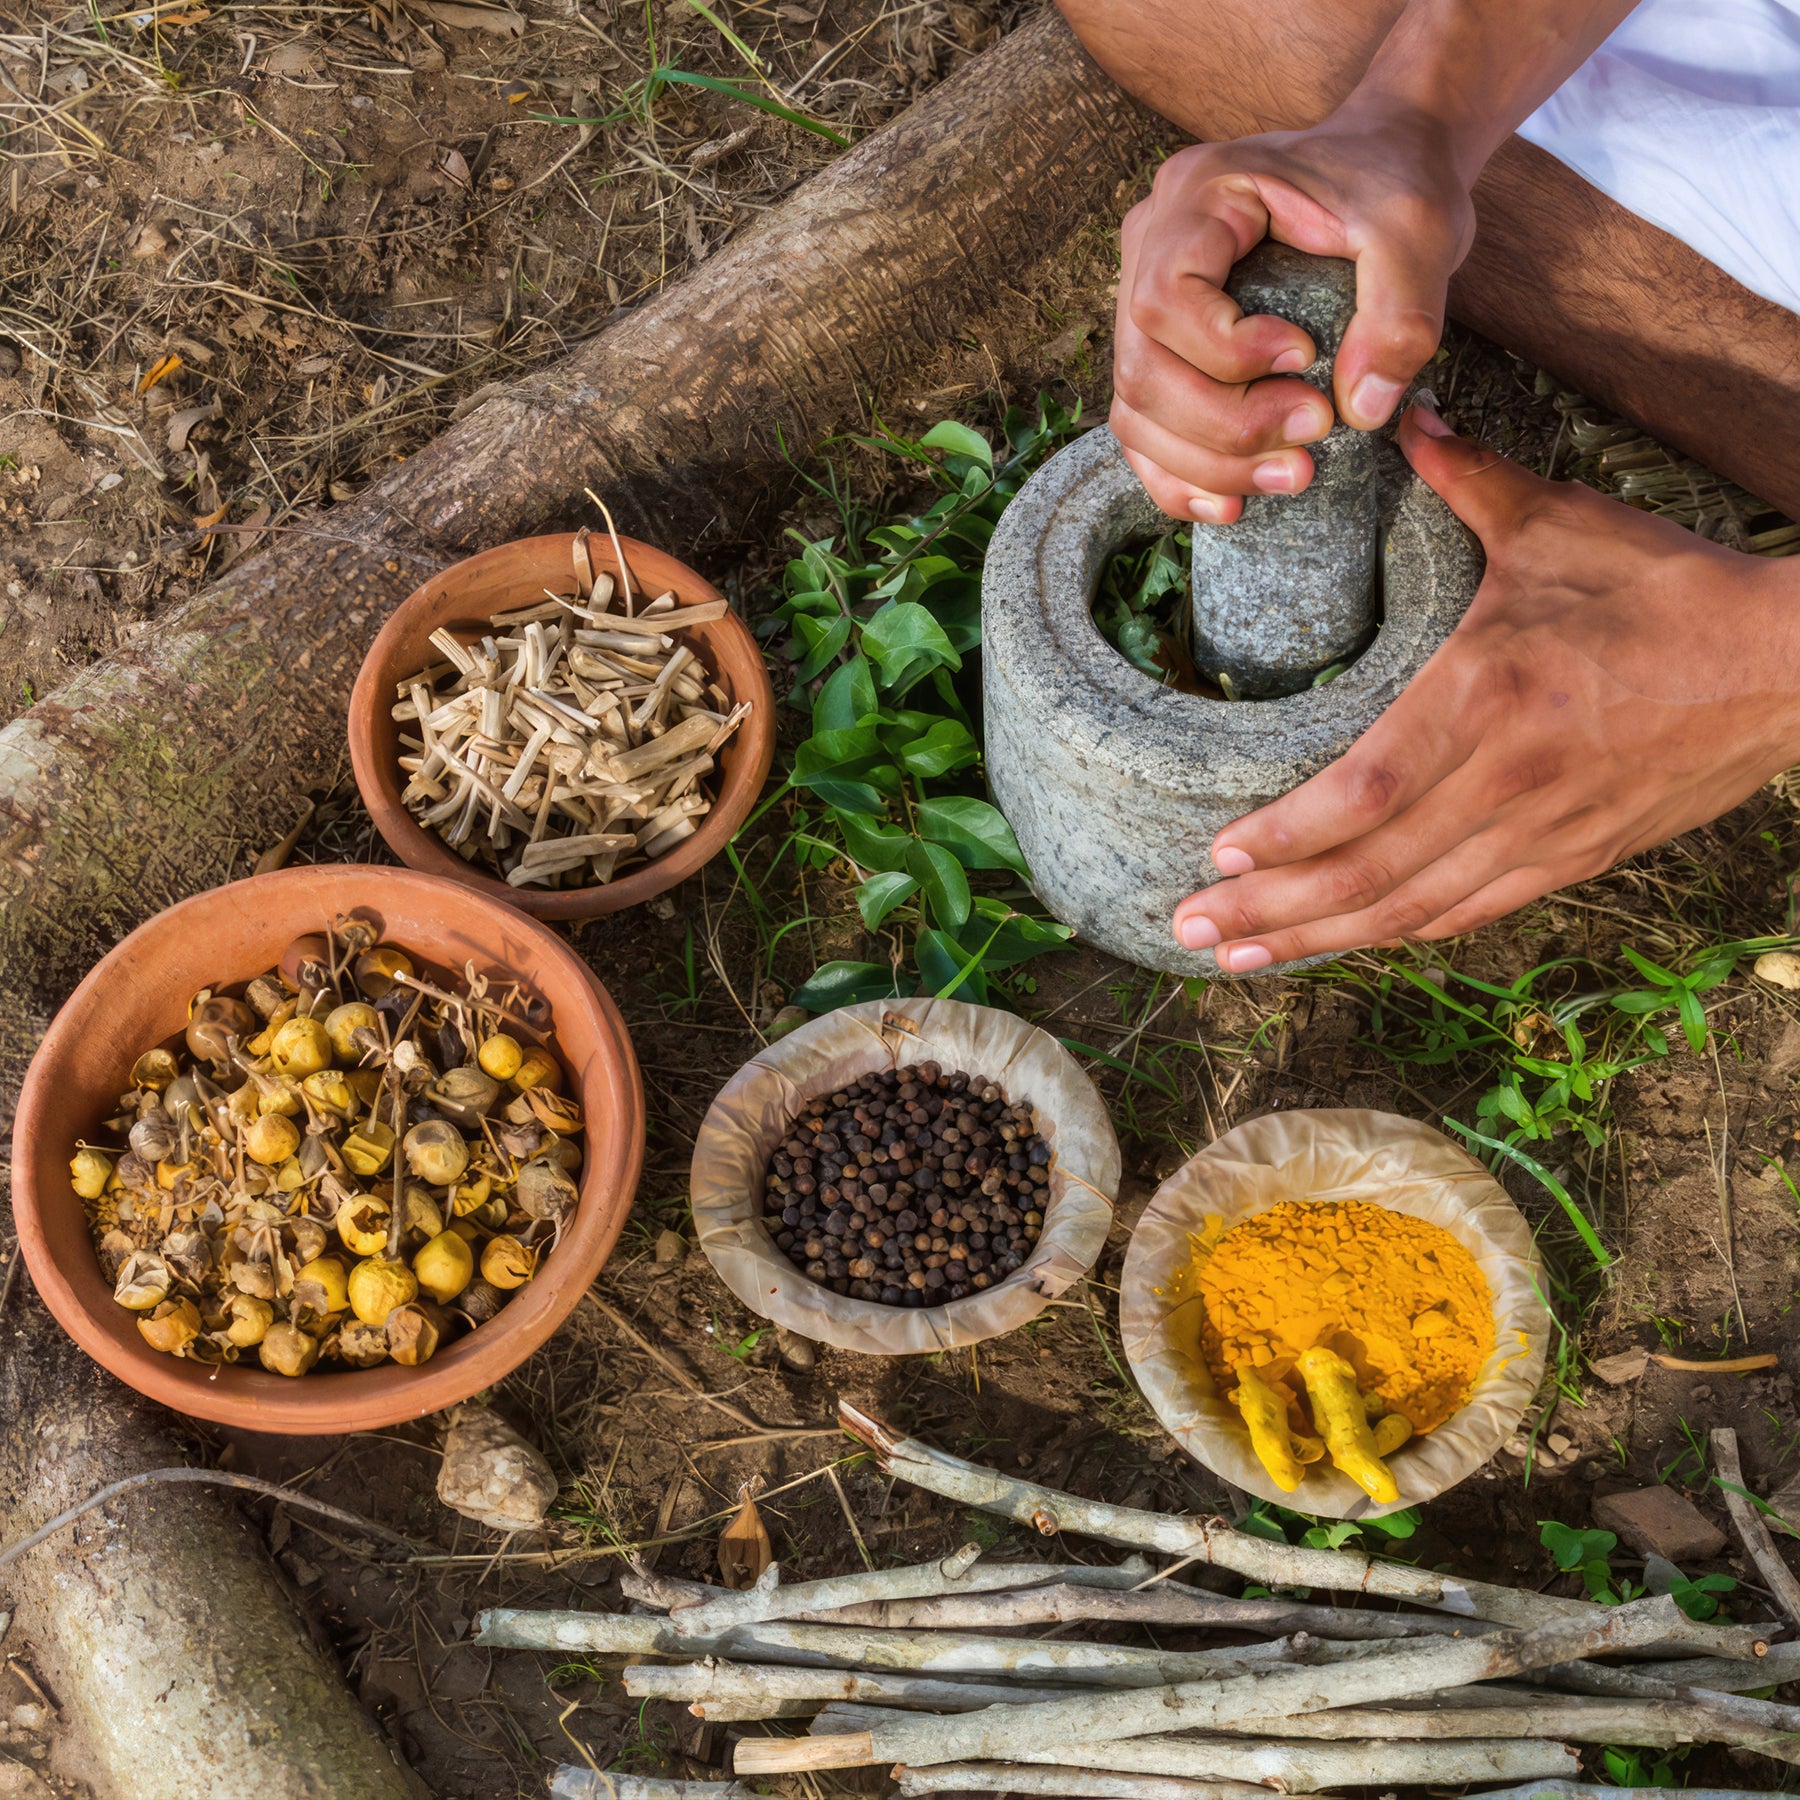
(1115, 784)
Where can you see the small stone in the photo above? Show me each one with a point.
(491, 1474)
(1518, 1445)
(1626, 1366)
(671, 1247)
(797, 1353)
(1661, 1575)
(1560, 1443)
(1657, 1521)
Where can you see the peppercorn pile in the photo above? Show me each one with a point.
(909, 1187)
(256, 1200)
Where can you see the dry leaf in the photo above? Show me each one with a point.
(470, 15)
(300, 56)
(744, 1549)
(151, 240)
(491, 1474)
(245, 538)
(1781, 967)
(206, 521)
(160, 370)
(456, 168)
(181, 423)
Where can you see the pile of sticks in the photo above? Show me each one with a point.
(922, 1668)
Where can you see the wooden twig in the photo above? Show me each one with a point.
(728, 1690)
(572, 1782)
(1294, 1767)
(1753, 1534)
(1020, 1778)
(249, 1484)
(1757, 1724)
(1393, 1672)
(1782, 1663)
(1257, 1559)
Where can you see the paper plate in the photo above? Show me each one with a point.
(1336, 1155)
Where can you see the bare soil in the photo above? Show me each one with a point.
(342, 254)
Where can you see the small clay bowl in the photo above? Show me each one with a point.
(137, 996)
(509, 577)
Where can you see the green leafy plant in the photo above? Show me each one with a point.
(1282, 1525)
(744, 1347)
(1640, 1768)
(1587, 1554)
(1139, 606)
(884, 622)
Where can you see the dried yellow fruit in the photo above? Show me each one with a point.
(538, 1069)
(343, 1022)
(444, 1266)
(437, 1152)
(500, 1056)
(378, 969)
(172, 1327)
(377, 1286)
(362, 1222)
(368, 1149)
(507, 1263)
(90, 1171)
(287, 1350)
(272, 1139)
(300, 1047)
(249, 1320)
(323, 1285)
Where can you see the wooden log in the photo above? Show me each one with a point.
(148, 775)
(725, 1690)
(1753, 1534)
(1091, 1784)
(572, 1782)
(178, 1665)
(1215, 1704)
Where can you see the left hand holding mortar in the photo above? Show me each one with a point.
(1617, 680)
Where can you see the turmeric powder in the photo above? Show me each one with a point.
(1396, 1298)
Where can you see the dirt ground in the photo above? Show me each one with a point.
(345, 222)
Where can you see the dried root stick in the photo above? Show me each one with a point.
(1213, 1541)
(1217, 1704)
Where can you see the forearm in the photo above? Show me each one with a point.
(1470, 71)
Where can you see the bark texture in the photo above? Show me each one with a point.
(179, 1666)
(138, 781)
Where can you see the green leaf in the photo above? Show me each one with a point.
(880, 894)
(907, 643)
(945, 748)
(1639, 1000)
(947, 971)
(1572, 1548)
(1665, 978)
(959, 440)
(973, 832)
(946, 886)
(1401, 1524)
(847, 697)
(874, 845)
(662, 75)
(838, 984)
(819, 640)
(1019, 937)
(1584, 1229)
(1693, 1019)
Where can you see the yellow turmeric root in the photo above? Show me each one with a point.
(1338, 1411)
(1281, 1451)
(1390, 1432)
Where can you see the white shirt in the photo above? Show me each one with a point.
(1689, 116)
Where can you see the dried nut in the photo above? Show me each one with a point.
(414, 1332)
(189, 1255)
(287, 1350)
(272, 1139)
(330, 1093)
(172, 1327)
(480, 1301)
(546, 1190)
(362, 1222)
(565, 1153)
(377, 1286)
(249, 1276)
(361, 1346)
(343, 1022)
(155, 1069)
(144, 1282)
(154, 1138)
(444, 1266)
(471, 1193)
(114, 1251)
(90, 1171)
(507, 1263)
(305, 1239)
(214, 1023)
(250, 1320)
(264, 996)
(306, 962)
(539, 1069)
(466, 1094)
(326, 1282)
(500, 1056)
(300, 1047)
(436, 1152)
(378, 969)
(368, 1148)
(421, 1217)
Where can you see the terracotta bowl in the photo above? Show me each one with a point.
(137, 996)
(465, 597)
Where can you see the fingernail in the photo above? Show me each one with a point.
(1273, 477)
(1229, 860)
(1290, 362)
(1373, 398)
(1208, 512)
(1240, 959)
(1429, 423)
(1304, 425)
(1197, 931)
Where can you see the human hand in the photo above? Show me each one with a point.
(1198, 403)
(1615, 681)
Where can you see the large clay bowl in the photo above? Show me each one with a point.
(137, 996)
(465, 597)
